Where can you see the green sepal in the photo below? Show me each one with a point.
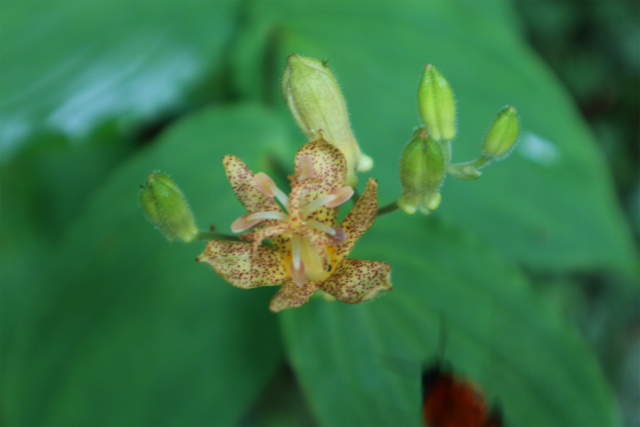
(436, 104)
(423, 165)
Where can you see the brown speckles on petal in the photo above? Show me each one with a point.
(359, 219)
(357, 281)
(236, 263)
(330, 166)
(320, 253)
(247, 191)
(241, 179)
(291, 295)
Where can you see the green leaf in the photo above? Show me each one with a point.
(550, 205)
(134, 331)
(69, 67)
(359, 365)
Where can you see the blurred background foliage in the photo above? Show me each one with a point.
(533, 268)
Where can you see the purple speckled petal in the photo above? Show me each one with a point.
(357, 281)
(291, 295)
(330, 170)
(244, 186)
(359, 219)
(236, 263)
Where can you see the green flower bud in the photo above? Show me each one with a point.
(436, 104)
(313, 95)
(502, 134)
(422, 169)
(166, 207)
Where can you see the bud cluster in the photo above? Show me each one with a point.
(317, 104)
(426, 159)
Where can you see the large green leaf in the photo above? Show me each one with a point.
(131, 330)
(122, 328)
(359, 365)
(68, 67)
(550, 205)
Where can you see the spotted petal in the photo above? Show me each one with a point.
(330, 166)
(357, 281)
(244, 186)
(359, 219)
(291, 295)
(235, 263)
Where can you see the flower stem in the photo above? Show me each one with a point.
(393, 206)
(468, 170)
(477, 163)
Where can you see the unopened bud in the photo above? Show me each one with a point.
(313, 95)
(502, 134)
(422, 169)
(436, 104)
(166, 207)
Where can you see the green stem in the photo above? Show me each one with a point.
(468, 170)
(476, 164)
(212, 235)
(393, 206)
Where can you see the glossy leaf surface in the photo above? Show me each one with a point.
(360, 365)
(131, 330)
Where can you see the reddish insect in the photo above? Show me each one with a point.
(451, 401)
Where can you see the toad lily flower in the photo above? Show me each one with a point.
(309, 251)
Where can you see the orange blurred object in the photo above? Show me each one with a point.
(454, 402)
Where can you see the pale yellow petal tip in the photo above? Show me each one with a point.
(339, 196)
(291, 295)
(434, 201)
(275, 308)
(327, 297)
(406, 206)
(230, 162)
(379, 290)
(365, 163)
(425, 204)
(206, 259)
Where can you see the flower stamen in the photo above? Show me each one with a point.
(264, 233)
(341, 195)
(305, 168)
(253, 218)
(269, 188)
(339, 237)
(321, 227)
(331, 200)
